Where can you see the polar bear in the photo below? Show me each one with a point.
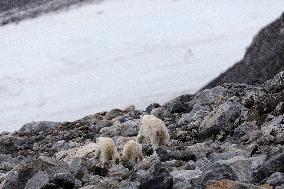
(106, 150)
(155, 129)
(132, 151)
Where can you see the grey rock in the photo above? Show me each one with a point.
(179, 104)
(160, 113)
(80, 167)
(64, 180)
(152, 106)
(241, 168)
(39, 180)
(173, 164)
(128, 185)
(128, 128)
(163, 154)
(227, 151)
(273, 131)
(91, 179)
(37, 127)
(280, 187)
(204, 164)
(219, 172)
(213, 97)
(274, 164)
(184, 155)
(78, 152)
(7, 163)
(275, 84)
(118, 171)
(183, 178)
(113, 113)
(221, 119)
(18, 177)
(142, 176)
(159, 177)
(244, 129)
(276, 179)
(190, 165)
(192, 119)
(280, 108)
(102, 124)
(199, 150)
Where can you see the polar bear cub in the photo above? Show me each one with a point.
(155, 129)
(106, 150)
(132, 151)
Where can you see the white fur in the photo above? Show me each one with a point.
(155, 129)
(132, 151)
(106, 150)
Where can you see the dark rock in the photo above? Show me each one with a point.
(184, 178)
(128, 128)
(244, 129)
(280, 108)
(272, 131)
(147, 149)
(160, 113)
(80, 167)
(184, 155)
(7, 163)
(102, 124)
(38, 181)
(113, 113)
(204, 164)
(179, 104)
(36, 127)
(18, 177)
(160, 179)
(276, 179)
(276, 84)
(64, 180)
(219, 172)
(190, 165)
(221, 119)
(152, 106)
(163, 154)
(100, 171)
(274, 164)
(280, 187)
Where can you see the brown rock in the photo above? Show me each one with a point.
(229, 184)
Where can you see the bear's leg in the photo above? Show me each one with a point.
(104, 158)
(115, 156)
(140, 156)
(155, 142)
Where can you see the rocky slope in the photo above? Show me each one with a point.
(263, 59)
(230, 136)
(14, 11)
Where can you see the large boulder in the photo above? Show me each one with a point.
(274, 164)
(36, 127)
(221, 119)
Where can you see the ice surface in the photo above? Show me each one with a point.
(120, 52)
